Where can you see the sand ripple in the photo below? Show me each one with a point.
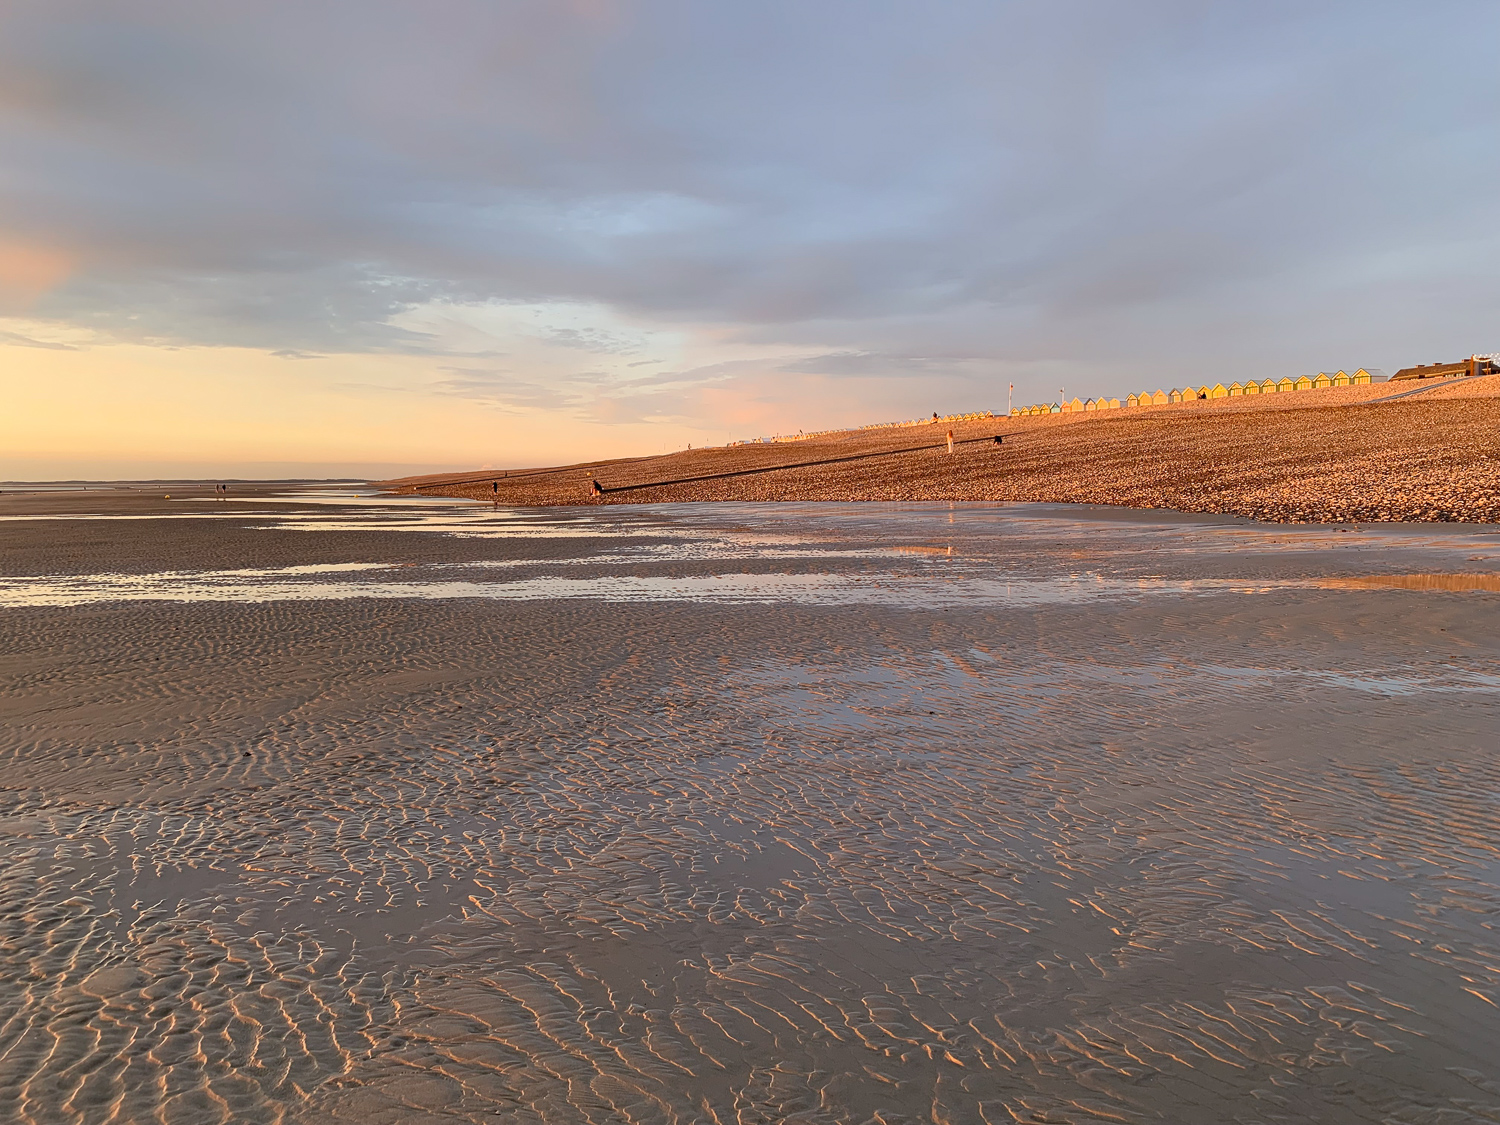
(1176, 859)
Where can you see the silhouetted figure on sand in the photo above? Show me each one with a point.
(596, 488)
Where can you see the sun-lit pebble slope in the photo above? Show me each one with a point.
(1311, 456)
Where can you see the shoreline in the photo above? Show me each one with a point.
(1340, 455)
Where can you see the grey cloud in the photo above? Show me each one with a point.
(30, 342)
(508, 391)
(593, 340)
(961, 191)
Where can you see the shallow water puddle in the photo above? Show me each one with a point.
(886, 589)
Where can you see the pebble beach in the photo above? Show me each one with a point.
(1332, 455)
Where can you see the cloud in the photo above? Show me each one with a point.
(31, 342)
(938, 197)
(509, 392)
(27, 272)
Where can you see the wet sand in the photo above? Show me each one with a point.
(420, 812)
(1337, 454)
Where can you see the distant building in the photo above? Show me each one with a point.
(1474, 365)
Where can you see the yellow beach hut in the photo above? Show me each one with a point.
(1175, 395)
(1303, 384)
(1236, 389)
(1218, 390)
(1322, 379)
(1132, 399)
(1269, 386)
(1340, 379)
(1251, 387)
(1159, 398)
(1360, 377)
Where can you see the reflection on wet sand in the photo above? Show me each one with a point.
(1187, 856)
(1453, 582)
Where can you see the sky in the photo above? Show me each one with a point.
(371, 238)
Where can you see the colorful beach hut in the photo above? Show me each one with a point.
(1322, 379)
(1340, 379)
(1250, 388)
(1304, 383)
(1159, 398)
(1218, 390)
(1269, 386)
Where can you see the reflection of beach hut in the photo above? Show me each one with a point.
(1159, 398)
